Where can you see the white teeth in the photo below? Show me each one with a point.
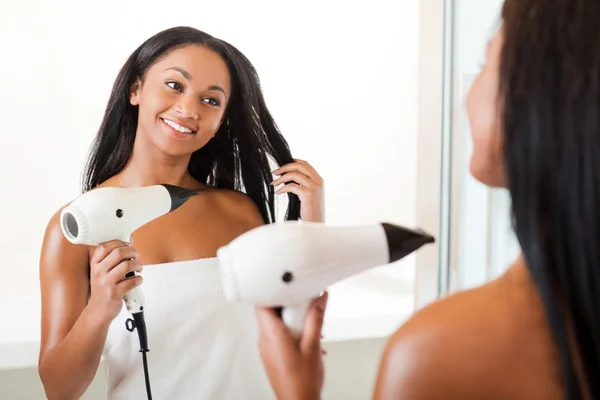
(177, 126)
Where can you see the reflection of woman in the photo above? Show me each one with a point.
(534, 332)
(186, 109)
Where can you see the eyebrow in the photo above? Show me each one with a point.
(182, 72)
(189, 78)
(216, 87)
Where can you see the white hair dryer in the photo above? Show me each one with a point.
(112, 213)
(287, 265)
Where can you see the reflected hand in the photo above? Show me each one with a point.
(295, 367)
(305, 182)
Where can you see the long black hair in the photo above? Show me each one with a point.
(550, 100)
(236, 158)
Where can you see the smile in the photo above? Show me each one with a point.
(177, 127)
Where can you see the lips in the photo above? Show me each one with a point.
(179, 125)
(178, 129)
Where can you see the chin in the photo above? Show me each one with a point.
(171, 148)
(489, 175)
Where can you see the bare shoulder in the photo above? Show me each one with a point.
(236, 206)
(55, 244)
(450, 349)
(197, 230)
(58, 255)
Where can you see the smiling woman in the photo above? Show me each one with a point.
(186, 110)
(170, 99)
(184, 78)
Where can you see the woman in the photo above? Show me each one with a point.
(186, 109)
(534, 333)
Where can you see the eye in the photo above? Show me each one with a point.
(212, 101)
(175, 85)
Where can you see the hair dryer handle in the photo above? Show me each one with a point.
(134, 300)
(293, 318)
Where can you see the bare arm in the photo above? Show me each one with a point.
(72, 339)
(73, 332)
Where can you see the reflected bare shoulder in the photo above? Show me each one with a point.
(453, 349)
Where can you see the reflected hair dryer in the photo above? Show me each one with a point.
(111, 213)
(289, 264)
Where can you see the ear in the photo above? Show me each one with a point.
(134, 93)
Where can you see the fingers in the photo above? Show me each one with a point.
(127, 285)
(295, 166)
(294, 176)
(300, 166)
(123, 268)
(313, 173)
(293, 188)
(118, 254)
(313, 324)
(104, 249)
(268, 321)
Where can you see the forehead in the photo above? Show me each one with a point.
(205, 66)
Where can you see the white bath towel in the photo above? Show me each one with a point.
(200, 346)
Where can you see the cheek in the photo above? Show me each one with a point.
(486, 160)
(152, 104)
(482, 111)
(214, 122)
(210, 121)
(209, 124)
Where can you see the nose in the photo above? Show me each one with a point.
(187, 108)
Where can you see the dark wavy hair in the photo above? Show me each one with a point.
(550, 101)
(236, 158)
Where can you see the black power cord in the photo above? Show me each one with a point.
(139, 323)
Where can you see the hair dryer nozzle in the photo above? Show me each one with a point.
(403, 241)
(74, 225)
(113, 213)
(179, 195)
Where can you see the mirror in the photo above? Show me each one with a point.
(356, 90)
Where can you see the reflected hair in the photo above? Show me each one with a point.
(239, 155)
(550, 101)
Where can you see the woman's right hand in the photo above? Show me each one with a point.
(110, 263)
(294, 367)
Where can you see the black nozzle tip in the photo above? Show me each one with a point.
(179, 195)
(404, 241)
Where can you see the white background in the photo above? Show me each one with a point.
(339, 77)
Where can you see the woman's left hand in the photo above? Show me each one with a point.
(304, 181)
